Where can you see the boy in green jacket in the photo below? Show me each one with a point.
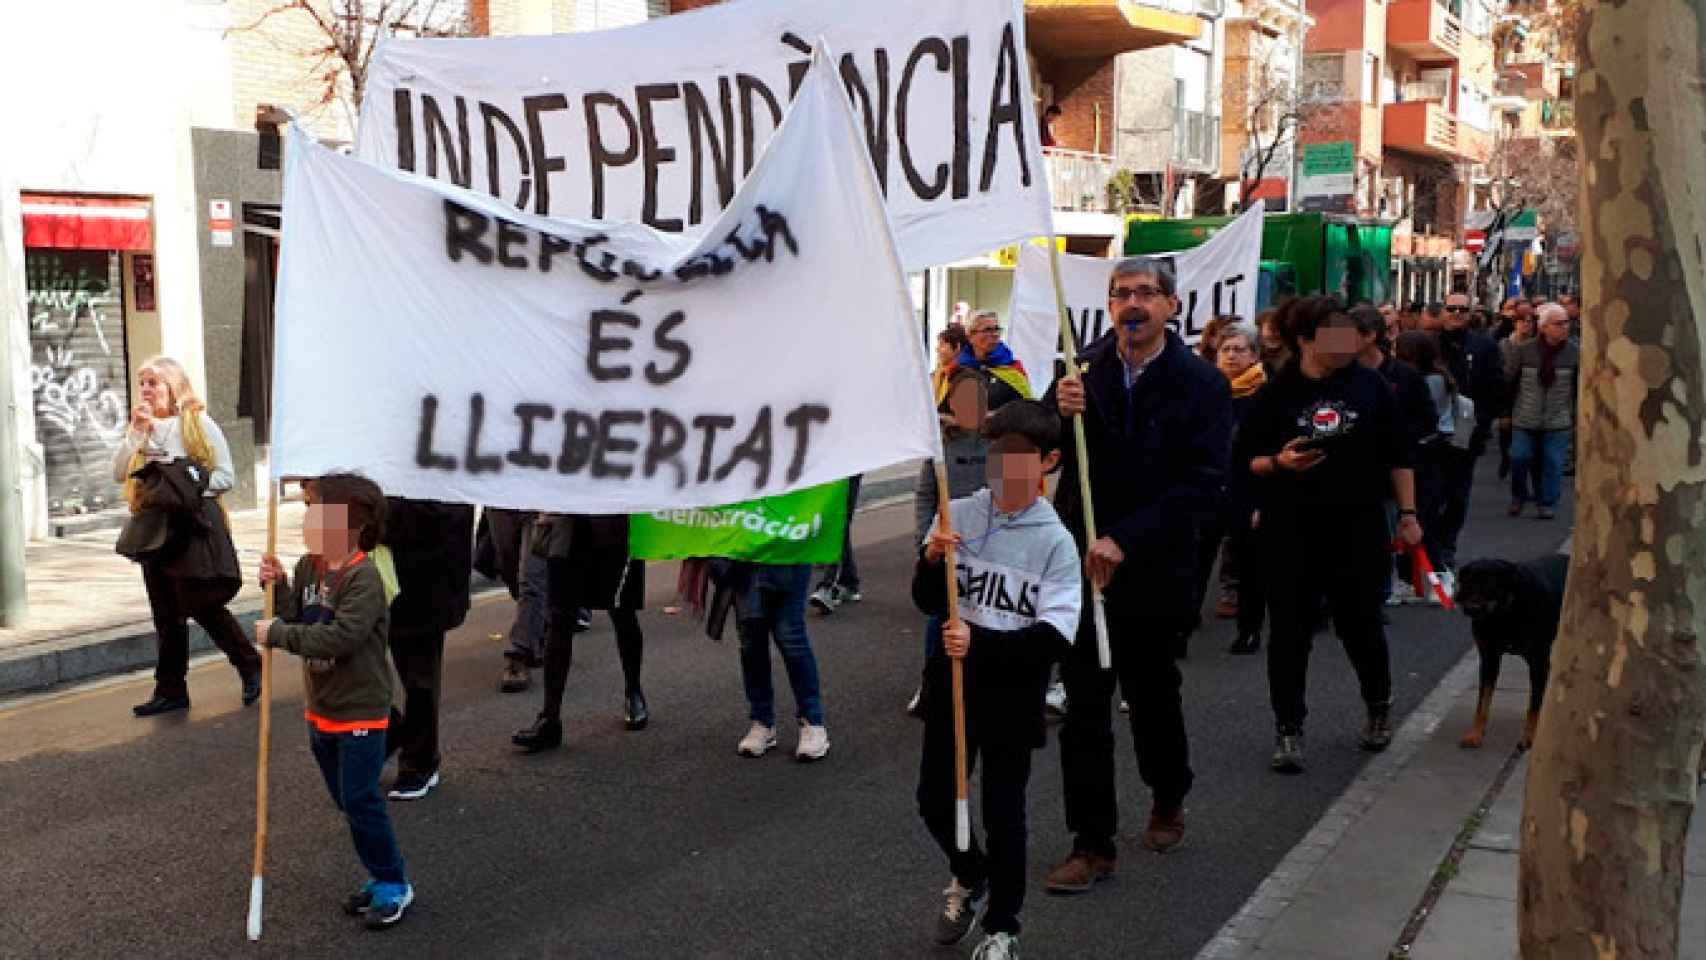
(334, 614)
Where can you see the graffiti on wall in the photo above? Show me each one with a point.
(78, 374)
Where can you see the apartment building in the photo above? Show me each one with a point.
(139, 213)
(1402, 90)
(1135, 81)
(1263, 59)
(1528, 191)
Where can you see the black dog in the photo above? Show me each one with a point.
(1516, 608)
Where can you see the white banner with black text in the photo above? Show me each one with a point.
(660, 122)
(454, 348)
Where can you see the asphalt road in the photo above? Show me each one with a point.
(121, 837)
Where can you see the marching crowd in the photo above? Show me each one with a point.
(1313, 458)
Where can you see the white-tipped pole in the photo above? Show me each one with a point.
(962, 824)
(255, 909)
(262, 756)
(1098, 609)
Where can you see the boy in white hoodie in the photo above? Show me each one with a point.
(1019, 600)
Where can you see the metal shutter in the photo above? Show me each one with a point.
(79, 378)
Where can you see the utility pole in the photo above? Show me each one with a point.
(13, 312)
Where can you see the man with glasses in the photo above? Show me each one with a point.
(1158, 431)
(1478, 368)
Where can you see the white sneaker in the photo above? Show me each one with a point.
(824, 600)
(759, 740)
(1448, 580)
(997, 946)
(1402, 593)
(1055, 701)
(814, 743)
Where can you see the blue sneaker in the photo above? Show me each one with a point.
(389, 902)
(361, 901)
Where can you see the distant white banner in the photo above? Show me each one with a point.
(1219, 277)
(455, 349)
(660, 122)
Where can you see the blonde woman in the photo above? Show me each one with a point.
(198, 580)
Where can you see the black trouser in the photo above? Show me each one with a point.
(845, 573)
(1209, 536)
(174, 602)
(1006, 775)
(1433, 461)
(1342, 558)
(418, 653)
(1252, 579)
(1149, 678)
(563, 597)
(1457, 478)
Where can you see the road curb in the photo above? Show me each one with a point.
(95, 653)
(1239, 936)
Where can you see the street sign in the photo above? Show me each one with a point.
(1329, 170)
(220, 227)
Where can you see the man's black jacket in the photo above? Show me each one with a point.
(1158, 456)
(1479, 369)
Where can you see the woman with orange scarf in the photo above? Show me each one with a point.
(171, 423)
(1229, 535)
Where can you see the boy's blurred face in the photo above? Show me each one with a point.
(1016, 472)
(326, 532)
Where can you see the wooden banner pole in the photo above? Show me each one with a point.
(1103, 652)
(261, 762)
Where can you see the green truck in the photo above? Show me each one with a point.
(1302, 253)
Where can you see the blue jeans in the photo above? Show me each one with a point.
(774, 608)
(1549, 446)
(350, 763)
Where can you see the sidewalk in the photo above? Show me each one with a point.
(89, 615)
(1419, 858)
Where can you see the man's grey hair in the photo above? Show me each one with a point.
(982, 315)
(1549, 310)
(1166, 276)
(1241, 329)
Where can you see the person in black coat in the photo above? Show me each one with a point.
(1324, 446)
(432, 545)
(1478, 368)
(1158, 428)
(587, 567)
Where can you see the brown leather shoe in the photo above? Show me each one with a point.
(1166, 830)
(1078, 873)
(516, 677)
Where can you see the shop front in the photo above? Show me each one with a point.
(89, 278)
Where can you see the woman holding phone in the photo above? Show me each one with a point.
(1322, 449)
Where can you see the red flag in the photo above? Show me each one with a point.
(1422, 571)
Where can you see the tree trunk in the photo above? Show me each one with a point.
(1612, 783)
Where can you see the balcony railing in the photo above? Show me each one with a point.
(1421, 127)
(1424, 29)
(1078, 180)
(1196, 139)
(1438, 91)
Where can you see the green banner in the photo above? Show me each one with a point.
(805, 526)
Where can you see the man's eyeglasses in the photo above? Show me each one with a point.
(1449, 308)
(994, 330)
(1134, 293)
